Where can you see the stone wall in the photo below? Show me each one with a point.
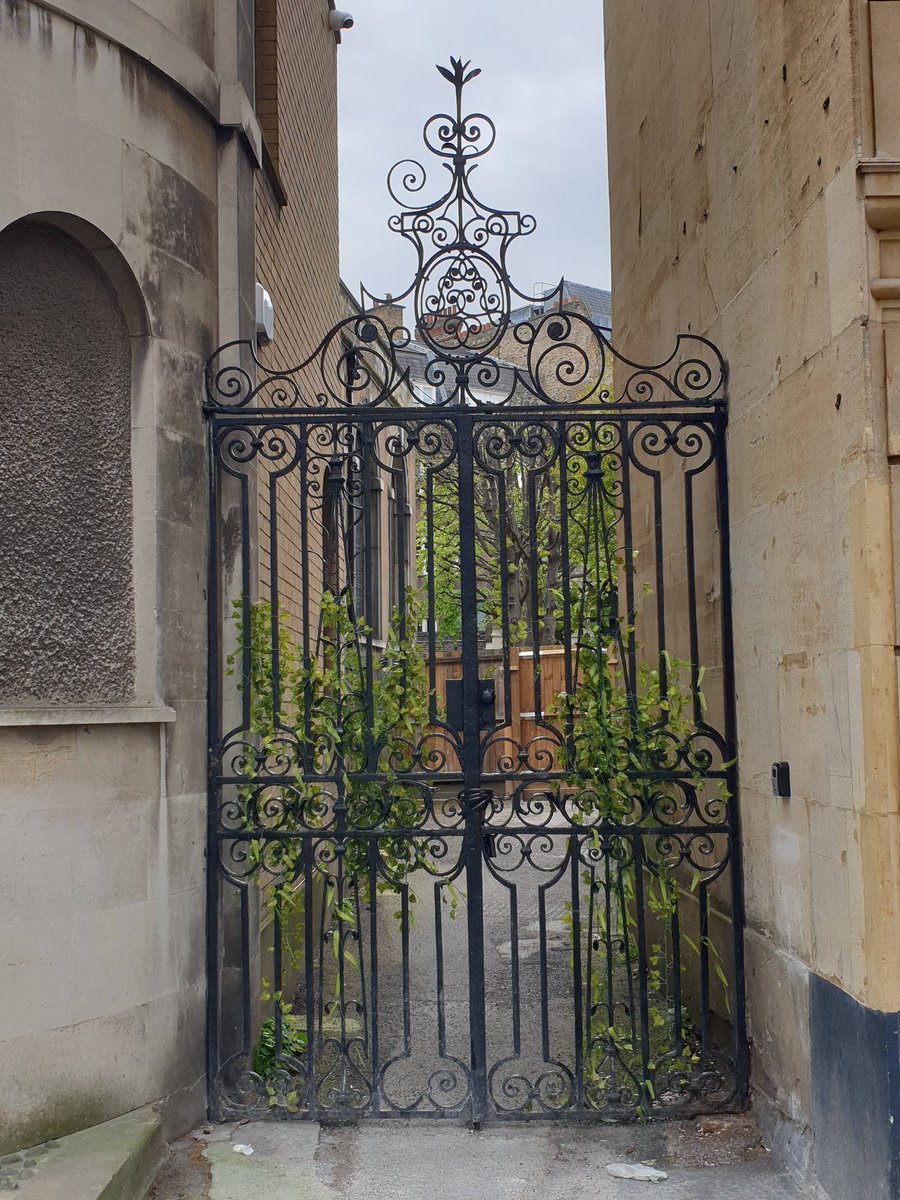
(102, 755)
(740, 192)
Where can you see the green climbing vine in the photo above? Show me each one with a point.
(629, 724)
(353, 714)
(619, 741)
(347, 724)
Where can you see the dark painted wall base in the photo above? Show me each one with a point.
(855, 1095)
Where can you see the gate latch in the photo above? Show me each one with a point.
(487, 704)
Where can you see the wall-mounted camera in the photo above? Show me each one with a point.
(339, 20)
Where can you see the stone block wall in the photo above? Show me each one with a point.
(753, 199)
(103, 768)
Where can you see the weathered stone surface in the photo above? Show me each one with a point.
(116, 1160)
(67, 590)
(779, 1025)
(103, 912)
(885, 19)
(740, 196)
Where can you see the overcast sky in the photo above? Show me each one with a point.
(542, 85)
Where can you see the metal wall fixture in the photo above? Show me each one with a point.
(515, 896)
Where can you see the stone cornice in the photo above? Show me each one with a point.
(881, 190)
(100, 714)
(126, 24)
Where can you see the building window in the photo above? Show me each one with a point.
(363, 538)
(398, 536)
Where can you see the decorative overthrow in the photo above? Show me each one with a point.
(470, 658)
(462, 301)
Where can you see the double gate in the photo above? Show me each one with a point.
(508, 887)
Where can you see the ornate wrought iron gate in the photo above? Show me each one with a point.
(473, 835)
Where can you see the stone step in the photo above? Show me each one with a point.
(117, 1160)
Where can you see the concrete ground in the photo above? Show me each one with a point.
(709, 1159)
(714, 1158)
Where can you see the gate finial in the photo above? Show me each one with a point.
(456, 72)
(462, 292)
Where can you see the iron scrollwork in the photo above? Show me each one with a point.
(572, 881)
(462, 298)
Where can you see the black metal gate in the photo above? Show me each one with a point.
(473, 836)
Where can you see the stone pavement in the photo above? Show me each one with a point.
(716, 1159)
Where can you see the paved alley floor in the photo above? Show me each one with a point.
(716, 1159)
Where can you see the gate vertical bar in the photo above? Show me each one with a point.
(212, 792)
(741, 1064)
(468, 598)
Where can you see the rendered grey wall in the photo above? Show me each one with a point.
(66, 591)
(103, 805)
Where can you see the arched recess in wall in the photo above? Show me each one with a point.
(69, 313)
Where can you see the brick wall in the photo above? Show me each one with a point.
(296, 240)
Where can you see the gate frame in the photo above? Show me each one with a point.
(237, 385)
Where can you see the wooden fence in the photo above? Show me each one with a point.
(522, 729)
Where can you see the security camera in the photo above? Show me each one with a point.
(338, 20)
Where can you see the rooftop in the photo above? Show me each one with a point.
(597, 302)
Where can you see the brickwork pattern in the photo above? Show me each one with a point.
(579, 349)
(296, 244)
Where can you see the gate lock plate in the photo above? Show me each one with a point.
(487, 704)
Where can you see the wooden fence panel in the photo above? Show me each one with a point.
(522, 728)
